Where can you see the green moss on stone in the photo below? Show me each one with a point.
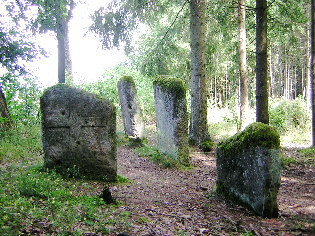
(255, 135)
(58, 87)
(128, 79)
(171, 84)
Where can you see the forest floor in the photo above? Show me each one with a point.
(183, 202)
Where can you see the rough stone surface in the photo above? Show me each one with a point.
(79, 133)
(131, 111)
(249, 168)
(171, 118)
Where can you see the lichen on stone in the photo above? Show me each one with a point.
(255, 135)
(128, 79)
(172, 84)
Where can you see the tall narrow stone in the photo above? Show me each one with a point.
(130, 108)
(249, 168)
(79, 133)
(171, 118)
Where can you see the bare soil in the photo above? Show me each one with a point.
(183, 202)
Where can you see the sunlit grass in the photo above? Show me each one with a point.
(32, 198)
(22, 143)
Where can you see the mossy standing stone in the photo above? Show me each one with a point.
(130, 108)
(171, 118)
(79, 133)
(249, 169)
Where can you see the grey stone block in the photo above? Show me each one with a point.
(171, 118)
(130, 108)
(249, 169)
(79, 133)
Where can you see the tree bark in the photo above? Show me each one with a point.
(313, 68)
(68, 61)
(262, 114)
(5, 118)
(242, 63)
(198, 130)
(308, 61)
(61, 22)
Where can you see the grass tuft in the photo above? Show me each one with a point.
(157, 157)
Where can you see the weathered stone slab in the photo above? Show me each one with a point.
(249, 168)
(79, 133)
(130, 108)
(171, 118)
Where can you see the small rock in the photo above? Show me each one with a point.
(203, 231)
(107, 196)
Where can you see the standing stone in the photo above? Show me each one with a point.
(249, 168)
(171, 118)
(131, 111)
(79, 133)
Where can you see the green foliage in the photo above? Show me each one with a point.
(157, 157)
(22, 143)
(289, 114)
(287, 161)
(308, 153)
(16, 43)
(22, 97)
(303, 156)
(233, 116)
(121, 179)
(207, 146)
(256, 134)
(107, 87)
(51, 14)
(31, 198)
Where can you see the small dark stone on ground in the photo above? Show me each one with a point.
(107, 196)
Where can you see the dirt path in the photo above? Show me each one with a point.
(174, 202)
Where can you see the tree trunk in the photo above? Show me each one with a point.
(61, 59)
(313, 68)
(61, 22)
(299, 81)
(198, 130)
(242, 63)
(68, 61)
(308, 62)
(5, 118)
(272, 82)
(262, 114)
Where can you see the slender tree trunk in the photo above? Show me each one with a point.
(60, 20)
(68, 61)
(299, 81)
(272, 82)
(308, 64)
(313, 68)
(198, 130)
(242, 63)
(215, 90)
(5, 118)
(262, 114)
(61, 58)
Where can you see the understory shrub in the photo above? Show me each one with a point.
(289, 114)
(22, 97)
(107, 87)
